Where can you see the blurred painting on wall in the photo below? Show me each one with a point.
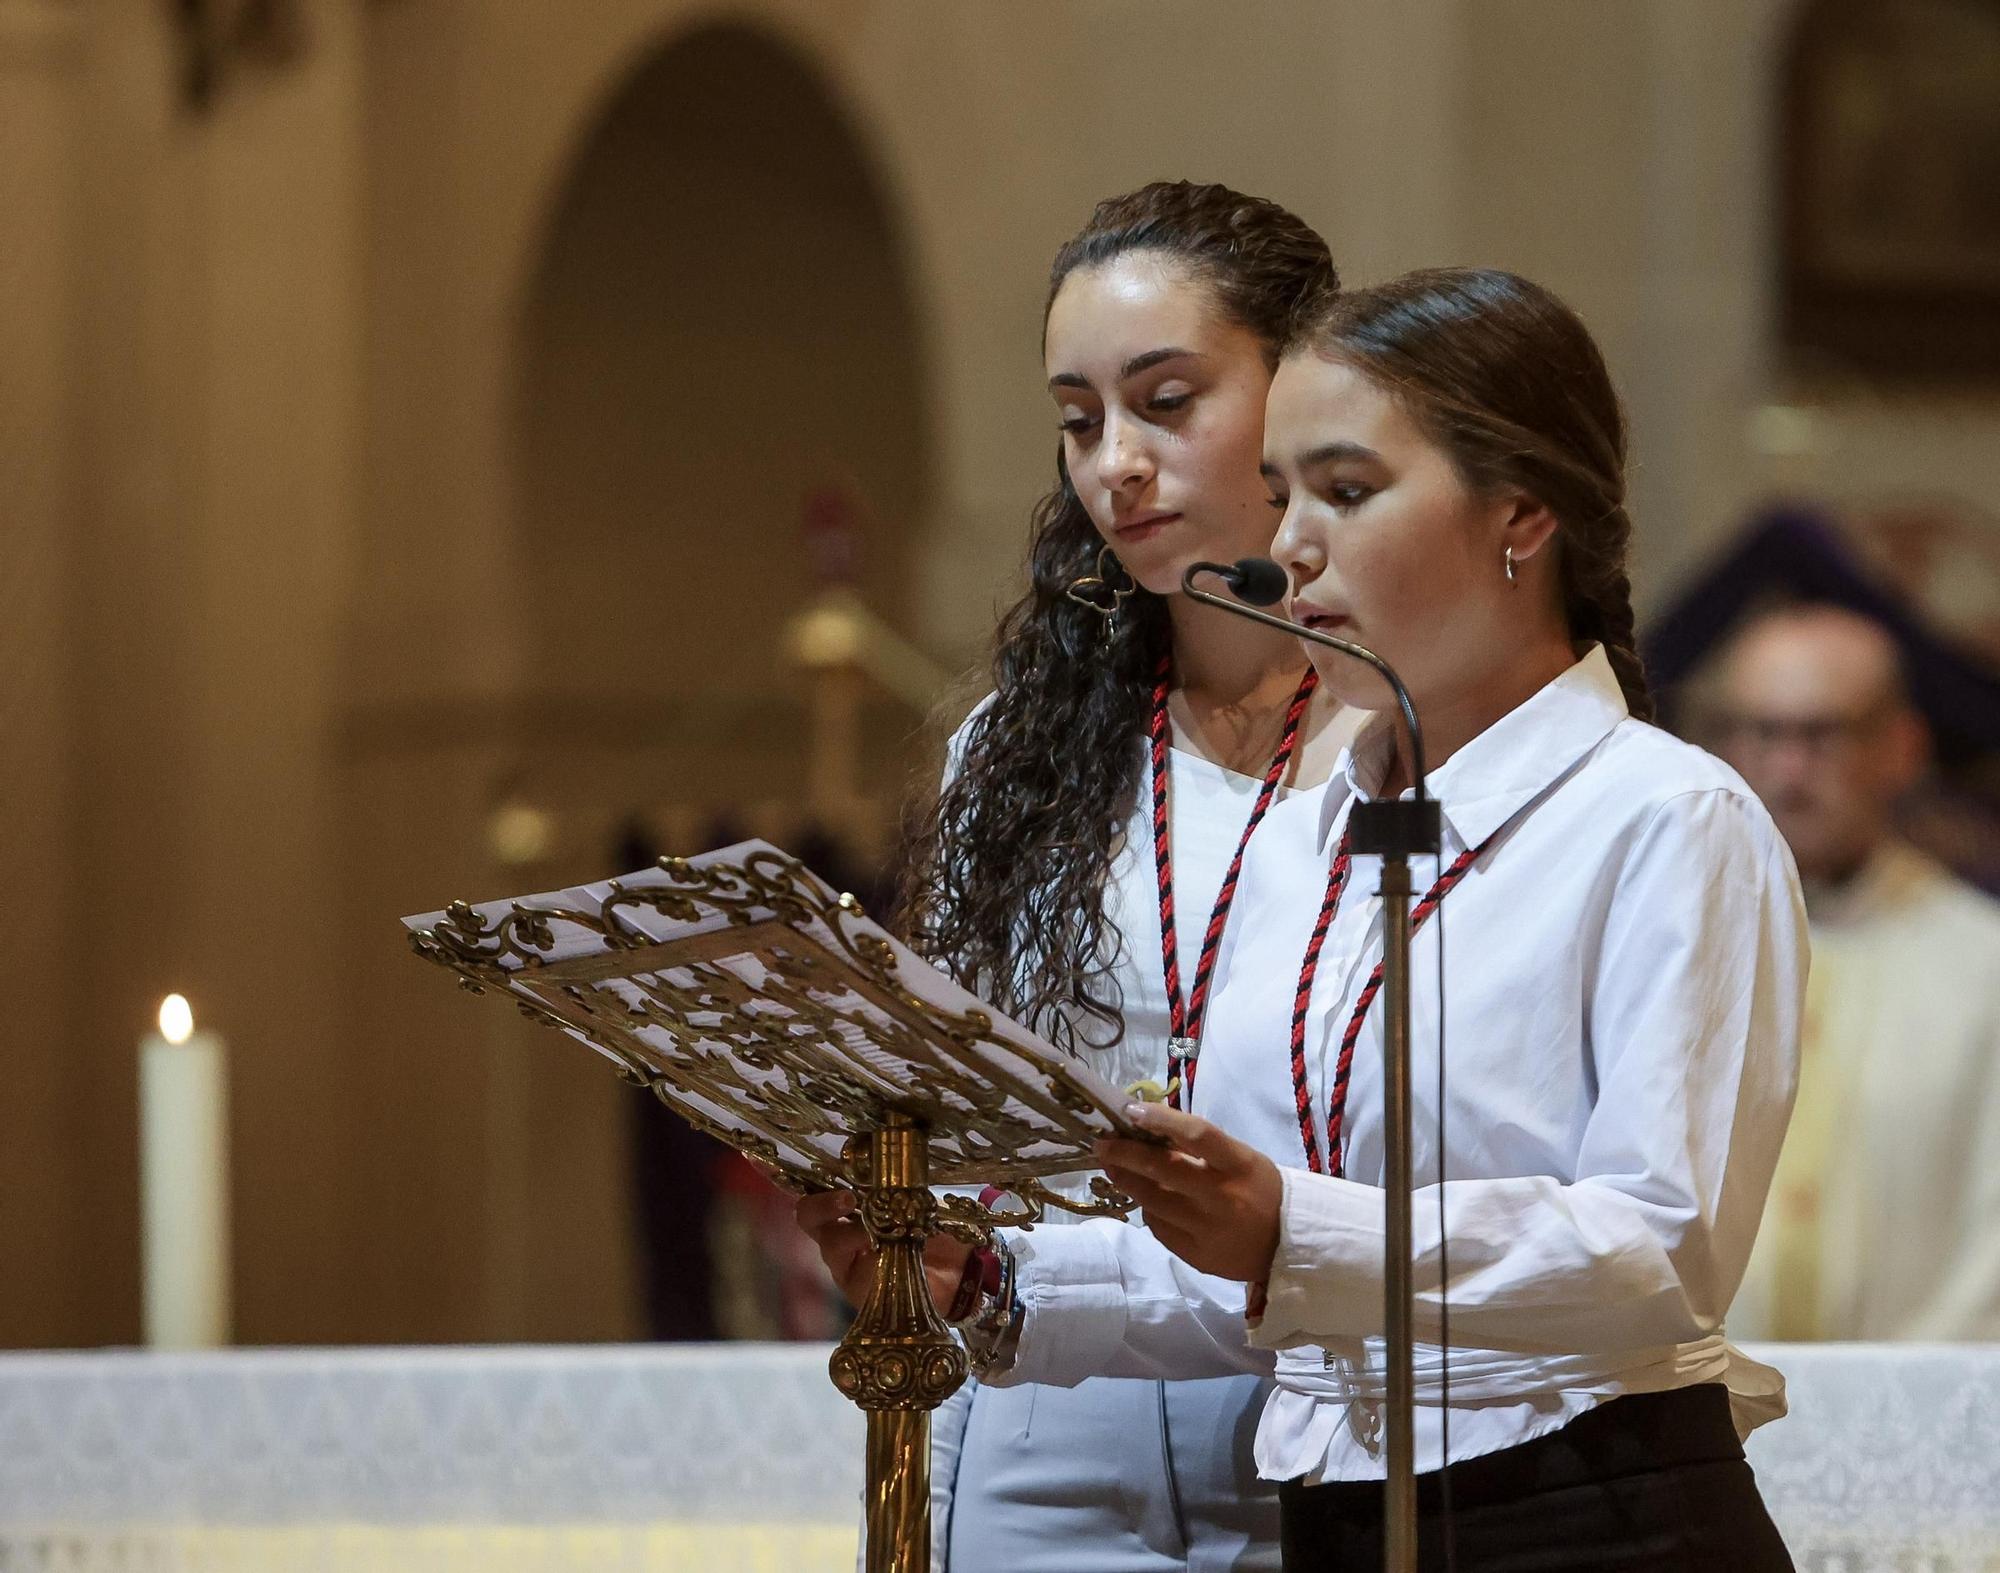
(1893, 189)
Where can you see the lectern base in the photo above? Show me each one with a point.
(898, 1361)
(899, 1491)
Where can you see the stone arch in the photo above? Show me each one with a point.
(718, 341)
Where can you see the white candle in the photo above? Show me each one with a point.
(184, 1182)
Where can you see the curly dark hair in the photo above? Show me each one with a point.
(1005, 874)
(1508, 381)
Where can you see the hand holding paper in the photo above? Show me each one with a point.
(1208, 1198)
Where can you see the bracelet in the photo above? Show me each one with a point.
(971, 1282)
(993, 1332)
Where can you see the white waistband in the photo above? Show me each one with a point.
(1352, 1370)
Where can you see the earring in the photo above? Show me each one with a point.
(1100, 591)
(1509, 560)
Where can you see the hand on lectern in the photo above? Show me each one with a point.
(833, 1220)
(1209, 1198)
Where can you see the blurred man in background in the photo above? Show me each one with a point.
(1884, 1219)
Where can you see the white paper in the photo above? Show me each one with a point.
(1042, 1135)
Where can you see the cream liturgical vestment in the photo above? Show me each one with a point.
(1884, 1219)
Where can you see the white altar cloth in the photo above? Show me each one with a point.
(700, 1458)
(720, 1457)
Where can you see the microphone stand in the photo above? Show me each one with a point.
(1396, 831)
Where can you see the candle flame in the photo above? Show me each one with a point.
(176, 1019)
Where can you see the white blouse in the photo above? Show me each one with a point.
(1625, 966)
(1209, 806)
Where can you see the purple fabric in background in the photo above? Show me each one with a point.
(1795, 554)
(1792, 554)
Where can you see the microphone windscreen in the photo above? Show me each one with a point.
(1258, 580)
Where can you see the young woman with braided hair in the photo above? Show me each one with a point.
(1628, 955)
(1077, 866)
(1626, 964)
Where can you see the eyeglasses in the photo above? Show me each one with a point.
(1814, 734)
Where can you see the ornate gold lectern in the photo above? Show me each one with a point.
(772, 1013)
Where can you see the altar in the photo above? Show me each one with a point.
(712, 1458)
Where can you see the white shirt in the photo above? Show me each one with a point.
(1625, 967)
(1208, 808)
(1892, 1170)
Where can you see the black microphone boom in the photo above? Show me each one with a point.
(1397, 830)
(1382, 826)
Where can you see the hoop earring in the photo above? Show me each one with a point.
(1509, 561)
(1099, 591)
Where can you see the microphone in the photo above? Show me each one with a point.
(1256, 580)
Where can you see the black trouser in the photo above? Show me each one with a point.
(1648, 1483)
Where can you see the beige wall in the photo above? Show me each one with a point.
(219, 338)
(42, 1216)
(277, 612)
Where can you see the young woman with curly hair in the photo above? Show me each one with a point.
(1077, 866)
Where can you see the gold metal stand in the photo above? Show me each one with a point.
(898, 1362)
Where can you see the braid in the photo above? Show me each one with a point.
(1597, 598)
(1260, 259)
